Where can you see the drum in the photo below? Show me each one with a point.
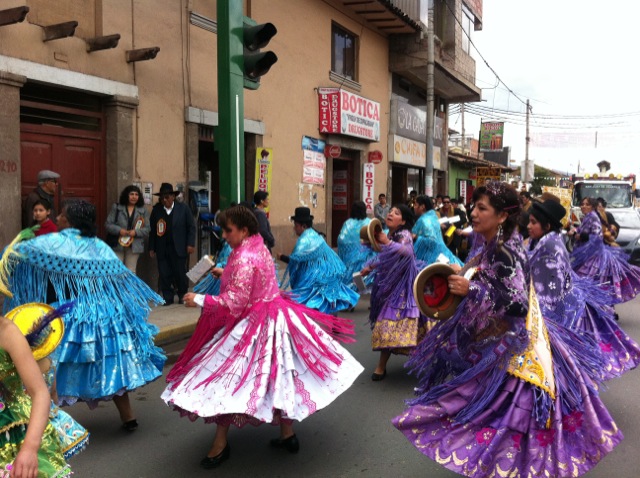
(368, 234)
(431, 291)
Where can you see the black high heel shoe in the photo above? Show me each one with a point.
(291, 444)
(131, 425)
(215, 461)
(376, 377)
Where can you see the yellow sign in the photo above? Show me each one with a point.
(565, 198)
(486, 174)
(264, 163)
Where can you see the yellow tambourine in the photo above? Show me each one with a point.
(27, 315)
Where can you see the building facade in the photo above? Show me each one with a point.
(112, 92)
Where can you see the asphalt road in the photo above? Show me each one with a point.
(353, 437)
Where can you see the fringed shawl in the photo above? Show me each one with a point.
(77, 268)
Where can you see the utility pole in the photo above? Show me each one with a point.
(462, 126)
(229, 133)
(528, 168)
(430, 101)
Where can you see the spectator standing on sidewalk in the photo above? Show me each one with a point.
(381, 209)
(261, 201)
(46, 189)
(129, 219)
(172, 239)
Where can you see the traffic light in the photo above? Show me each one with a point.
(256, 62)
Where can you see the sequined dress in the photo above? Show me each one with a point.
(353, 253)
(15, 409)
(580, 304)
(428, 243)
(315, 274)
(503, 392)
(107, 348)
(257, 356)
(396, 322)
(607, 265)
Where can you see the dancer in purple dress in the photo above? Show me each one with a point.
(577, 302)
(591, 257)
(396, 322)
(499, 394)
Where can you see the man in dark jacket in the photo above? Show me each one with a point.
(46, 189)
(171, 240)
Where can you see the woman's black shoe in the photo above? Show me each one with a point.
(291, 444)
(131, 425)
(376, 377)
(215, 461)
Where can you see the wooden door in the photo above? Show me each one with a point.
(78, 160)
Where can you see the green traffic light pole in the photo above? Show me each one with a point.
(229, 134)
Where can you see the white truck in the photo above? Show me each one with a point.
(619, 191)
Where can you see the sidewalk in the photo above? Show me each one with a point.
(177, 321)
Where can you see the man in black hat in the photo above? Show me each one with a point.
(172, 239)
(46, 189)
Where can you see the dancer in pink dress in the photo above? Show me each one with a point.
(256, 355)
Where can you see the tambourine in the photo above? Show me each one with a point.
(126, 241)
(431, 291)
(368, 233)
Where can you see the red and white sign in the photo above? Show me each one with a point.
(340, 190)
(313, 166)
(375, 157)
(342, 112)
(332, 151)
(368, 176)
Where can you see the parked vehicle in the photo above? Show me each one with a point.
(629, 234)
(617, 190)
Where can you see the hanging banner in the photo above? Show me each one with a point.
(264, 160)
(491, 137)
(368, 171)
(313, 160)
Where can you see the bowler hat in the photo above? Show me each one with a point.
(28, 316)
(552, 210)
(368, 233)
(303, 214)
(166, 188)
(431, 291)
(45, 174)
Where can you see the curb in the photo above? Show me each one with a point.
(173, 333)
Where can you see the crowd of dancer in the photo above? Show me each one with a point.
(507, 386)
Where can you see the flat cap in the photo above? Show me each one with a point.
(46, 174)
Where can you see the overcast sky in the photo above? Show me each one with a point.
(569, 58)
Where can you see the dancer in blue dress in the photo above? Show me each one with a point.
(315, 271)
(107, 350)
(353, 253)
(210, 284)
(428, 242)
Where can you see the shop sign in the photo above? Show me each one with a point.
(491, 134)
(486, 174)
(332, 151)
(407, 151)
(264, 162)
(368, 172)
(340, 190)
(408, 121)
(342, 112)
(375, 157)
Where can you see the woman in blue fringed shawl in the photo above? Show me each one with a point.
(427, 234)
(353, 253)
(210, 284)
(107, 349)
(500, 392)
(314, 270)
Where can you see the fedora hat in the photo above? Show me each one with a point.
(552, 210)
(431, 291)
(166, 188)
(27, 317)
(302, 214)
(368, 233)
